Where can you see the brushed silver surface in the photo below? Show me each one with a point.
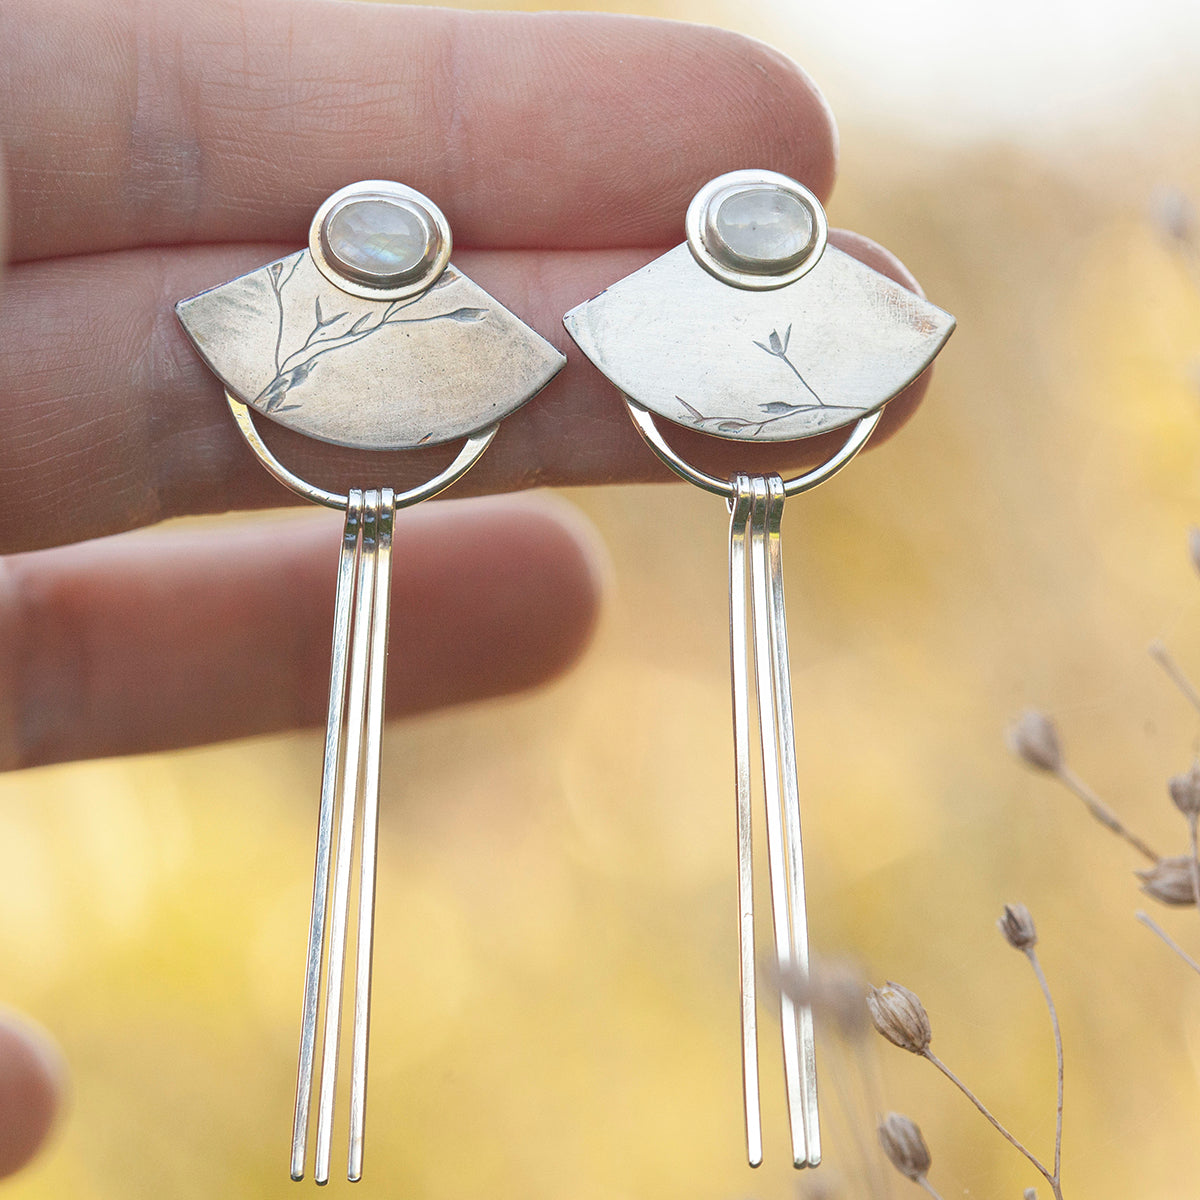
(762, 366)
(372, 374)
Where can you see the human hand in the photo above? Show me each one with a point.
(157, 150)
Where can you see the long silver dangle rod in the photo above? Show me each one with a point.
(353, 745)
(351, 783)
(785, 729)
(776, 736)
(739, 509)
(342, 607)
(381, 608)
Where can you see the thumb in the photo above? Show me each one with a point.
(32, 1083)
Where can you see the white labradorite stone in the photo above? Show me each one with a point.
(378, 240)
(761, 229)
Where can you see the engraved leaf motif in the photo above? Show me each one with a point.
(322, 321)
(300, 373)
(290, 372)
(694, 413)
(778, 407)
(776, 344)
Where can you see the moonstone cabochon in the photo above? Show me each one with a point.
(820, 353)
(371, 374)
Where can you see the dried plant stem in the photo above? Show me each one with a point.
(1058, 1054)
(868, 1074)
(877, 1179)
(1102, 812)
(929, 1188)
(1000, 1129)
(1157, 929)
(1195, 859)
(1162, 656)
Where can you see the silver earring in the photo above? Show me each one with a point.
(756, 330)
(369, 338)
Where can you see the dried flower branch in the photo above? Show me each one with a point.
(1019, 931)
(1157, 929)
(1161, 655)
(1017, 926)
(1170, 880)
(836, 992)
(1185, 791)
(900, 1017)
(1034, 739)
(1194, 546)
(905, 1149)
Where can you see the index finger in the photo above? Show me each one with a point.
(133, 124)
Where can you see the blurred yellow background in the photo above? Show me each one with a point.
(556, 1003)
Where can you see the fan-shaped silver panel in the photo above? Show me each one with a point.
(775, 365)
(373, 374)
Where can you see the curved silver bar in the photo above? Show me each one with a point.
(644, 421)
(465, 460)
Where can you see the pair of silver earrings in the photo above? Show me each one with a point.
(753, 330)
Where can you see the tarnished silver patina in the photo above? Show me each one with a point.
(371, 339)
(756, 330)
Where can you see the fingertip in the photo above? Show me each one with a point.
(797, 120)
(875, 256)
(900, 408)
(33, 1081)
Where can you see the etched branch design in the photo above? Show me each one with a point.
(331, 333)
(776, 410)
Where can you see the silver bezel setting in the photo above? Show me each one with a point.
(710, 251)
(397, 287)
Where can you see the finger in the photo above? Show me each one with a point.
(31, 1085)
(112, 421)
(231, 121)
(177, 637)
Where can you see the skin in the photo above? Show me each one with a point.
(154, 148)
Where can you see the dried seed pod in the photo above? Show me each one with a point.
(1034, 739)
(1185, 791)
(904, 1146)
(1017, 926)
(900, 1017)
(1030, 1194)
(1170, 880)
(1194, 533)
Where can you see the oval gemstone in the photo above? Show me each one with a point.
(763, 229)
(379, 240)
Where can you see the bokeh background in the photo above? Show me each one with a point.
(556, 980)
